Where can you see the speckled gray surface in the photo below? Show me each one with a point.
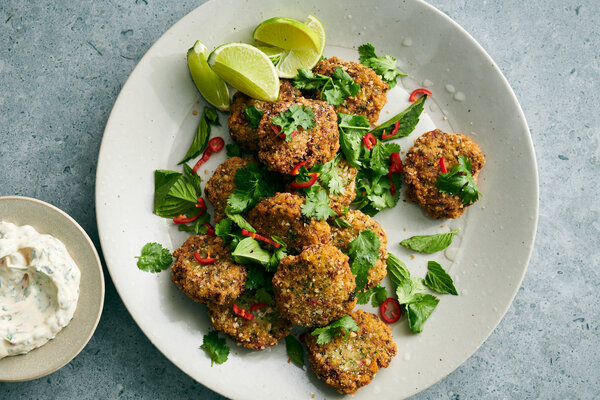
(62, 65)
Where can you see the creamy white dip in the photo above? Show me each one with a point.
(39, 288)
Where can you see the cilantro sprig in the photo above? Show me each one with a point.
(334, 89)
(459, 181)
(297, 115)
(154, 258)
(376, 294)
(384, 66)
(216, 348)
(252, 184)
(344, 325)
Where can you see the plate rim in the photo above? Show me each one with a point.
(92, 248)
(529, 145)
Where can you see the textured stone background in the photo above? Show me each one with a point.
(62, 65)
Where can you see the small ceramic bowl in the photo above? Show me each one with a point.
(50, 357)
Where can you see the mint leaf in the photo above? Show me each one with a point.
(364, 252)
(216, 347)
(241, 222)
(248, 250)
(317, 204)
(174, 194)
(343, 325)
(429, 243)
(200, 142)
(459, 181)
(296, 116)
(419, 310)
(409, 118)
(196, 226)
(253, 115)
(407, 288)
(233, 150)
(438, 280)
(294, 349)
(154, 258)
(384, 66)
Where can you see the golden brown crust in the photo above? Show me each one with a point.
(341, 238)
(349, 363)
(239, 128)
(315, 287)
(373, 90)
(219, 283)
(281, 215)
(266, 328)
(222, 183)
(421, 168)
(317, 145)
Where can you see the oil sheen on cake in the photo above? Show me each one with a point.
(39, 288)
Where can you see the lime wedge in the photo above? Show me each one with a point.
(209, 84)
(274, 53)
(294, 59)
(247, 69)
(287, 33)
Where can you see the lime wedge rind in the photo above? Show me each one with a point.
(210, 85)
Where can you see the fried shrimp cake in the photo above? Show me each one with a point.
(265, 329)
(341, 238)
(421, 169)
(222, 183)
(315, 287)
(348, 363)
(373, 90)
(240, 129)
(316, 145)
(281, 215)
(219, 282)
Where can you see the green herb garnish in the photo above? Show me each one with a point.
(216, 347)
(317, 204)
(408, 119)
(342, 223)
(343, 325)
(233, 150)
(334, 89)
(154, 258)
(253, 115)
(376, 294)
(429, 243)
(364, 252)
(296, 116)
(200, 142)
(438, 280)
(248, 250)
(384, 66)
(294, 349)
(459, 181)
(251, 186)
(174, 194)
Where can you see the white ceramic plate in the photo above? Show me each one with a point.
(46, 218)
(152, 124)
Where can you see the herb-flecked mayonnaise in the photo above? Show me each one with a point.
(39, 288)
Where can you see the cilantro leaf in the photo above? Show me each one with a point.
(200, 142)
(419, 310)
(409, 118)
(459, 181)
(429, 243)
(216, 347)
(384, 66)
(253, 115)
(294, 349)
(233, 150)
(223, 228)
(377, 294)
(256, 277)
(374, 191)
(335, 89)
(438, 280)
(342, 223)
(364, 252)
(154, 258)
(248, 250)
(317, 204)
(343, 325)
(330, 177)
(252, 184)
(296, 116)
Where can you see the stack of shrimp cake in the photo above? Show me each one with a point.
(313, 284)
